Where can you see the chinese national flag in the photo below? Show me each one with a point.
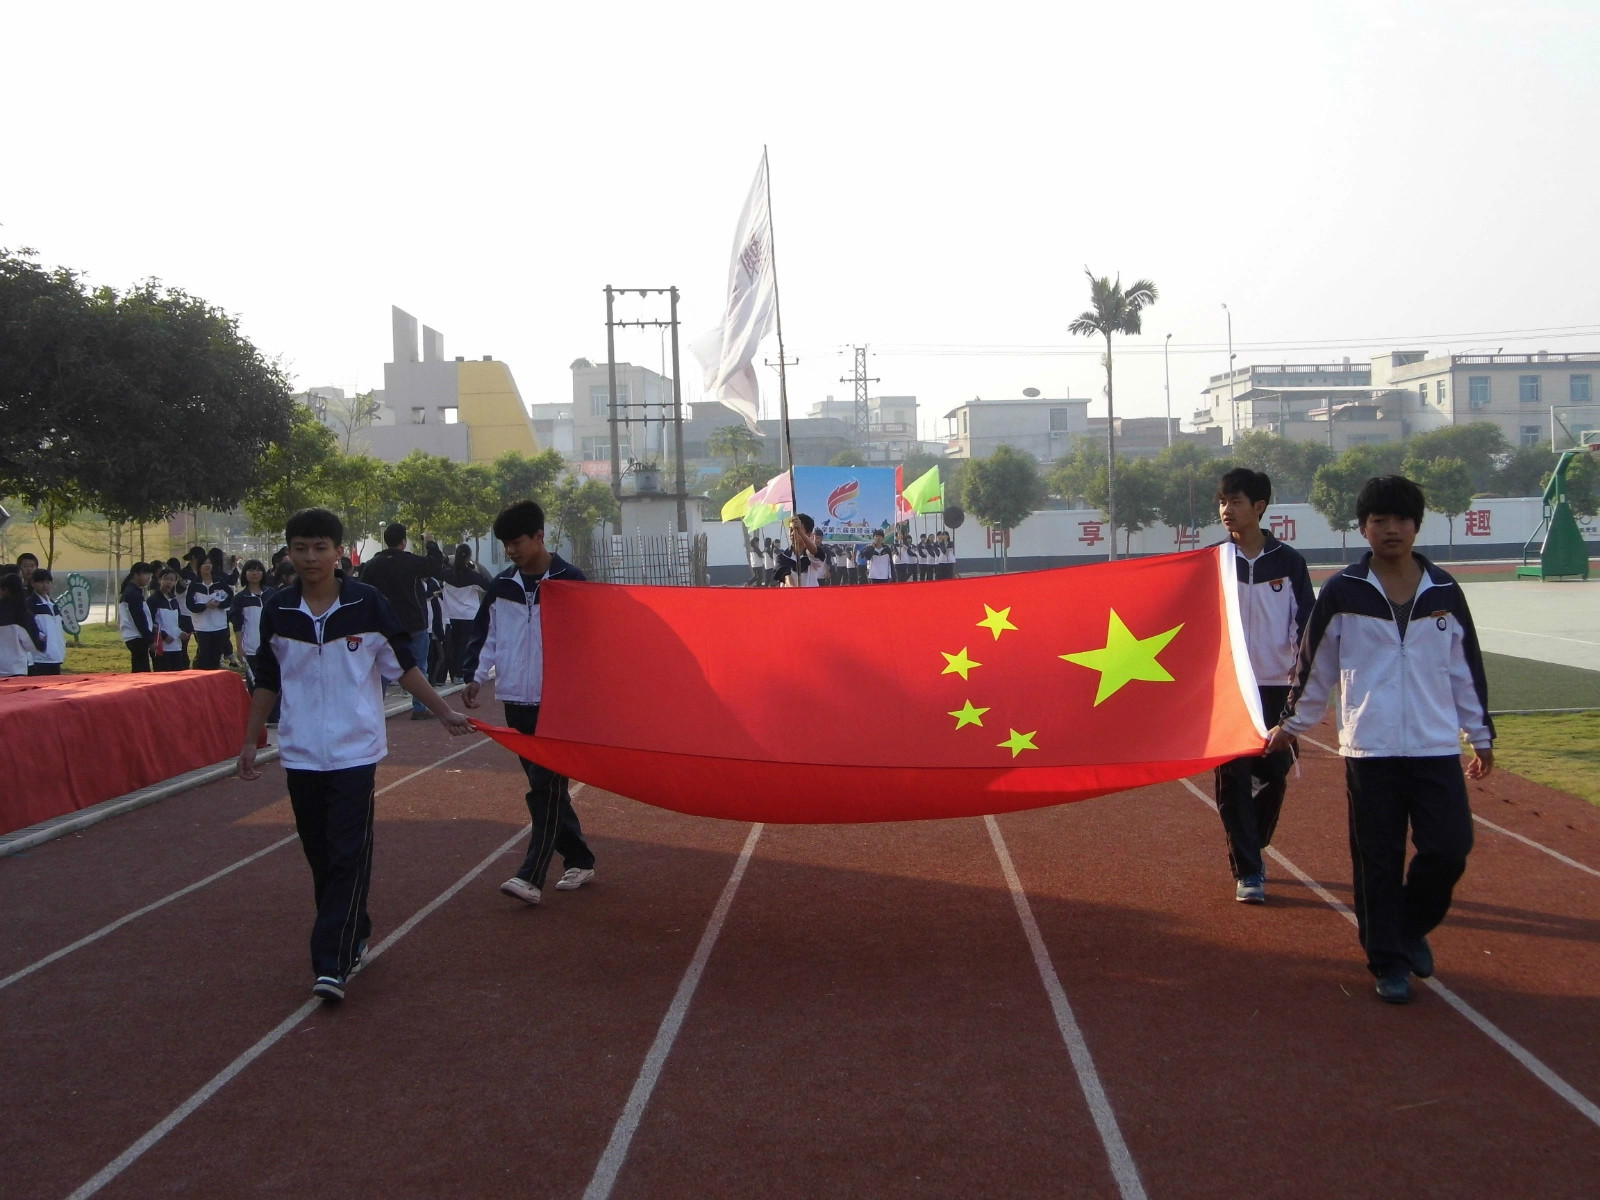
(986, 695)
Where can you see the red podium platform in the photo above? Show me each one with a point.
(70, 741)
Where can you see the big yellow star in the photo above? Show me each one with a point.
(1018, 742)
(968, 715)
(1125, 658)
(958, 663)
(996, 622)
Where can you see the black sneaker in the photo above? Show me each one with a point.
(1395, 988)
(1421, 959)
(361, 953)
(329, 987)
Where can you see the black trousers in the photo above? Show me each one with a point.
(333, 815)
(172, 660)
(1249, 794)
(209, 649)
(44, 668)
(1394, 906)
(456, 637)
(140, 650)
(555, 823)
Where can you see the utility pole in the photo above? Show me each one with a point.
(1166, 365)
(1233, 405)
(612, 324)
(860, 380)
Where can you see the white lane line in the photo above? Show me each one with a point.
(220, 1080)
(198, 884)
(1485, 1026)
(616, 1151)
(1122, 1165)
(1526, 841)
(1551, 637)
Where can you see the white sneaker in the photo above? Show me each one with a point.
(521, 889)
(575, 878)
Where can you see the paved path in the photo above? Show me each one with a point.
(1551, 622)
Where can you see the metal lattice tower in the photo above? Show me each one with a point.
(860, 380)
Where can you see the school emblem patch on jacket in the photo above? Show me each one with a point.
(1277, 585)
(352, 644)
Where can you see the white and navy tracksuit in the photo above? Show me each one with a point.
(48, 658)
(804, 570)
(20, 637)
(880, 563)
(1275, 602)
(508, 637)
(210, 624)
(133, 625)
(244, 614)
(1411, 681)
(169, 619)
(328, 671)
(463, 594)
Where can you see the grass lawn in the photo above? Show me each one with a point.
(1523, 683)
(1559, 750)
(102, 650)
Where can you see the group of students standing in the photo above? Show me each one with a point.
(836, 564)
(33, 640)
(207, 600)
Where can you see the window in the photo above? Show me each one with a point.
(1059, 420)
(449, 414)
(1581, 393)
(1438, 390)
(1478, 391)
(1528, 389)
(419, 416)
(1422, 390)
(598, 449)
(600, 399)
(1531, 435)
(963, 420)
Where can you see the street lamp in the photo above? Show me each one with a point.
(1166, 365)
(1232, 405)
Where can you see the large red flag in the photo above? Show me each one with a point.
(888, 703)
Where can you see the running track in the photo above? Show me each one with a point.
(781, 1011)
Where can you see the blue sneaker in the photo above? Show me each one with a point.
(329, 987)
(1251, 890)
(1421, 956)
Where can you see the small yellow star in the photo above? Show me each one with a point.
(1018, 742)
(996, 622)
(958, 664)
(1125, 658)
(968, 715)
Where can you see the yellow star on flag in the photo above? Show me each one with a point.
(996, 622)
(1125, 658)
(1018, 742)
(968, 715)
(958, 663)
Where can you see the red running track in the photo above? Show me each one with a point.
(871, 1019)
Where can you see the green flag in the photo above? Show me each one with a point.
(924, 494)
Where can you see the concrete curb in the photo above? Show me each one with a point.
(35, 835)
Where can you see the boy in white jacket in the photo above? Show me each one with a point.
(1394, 632)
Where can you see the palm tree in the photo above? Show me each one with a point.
(1114, 311)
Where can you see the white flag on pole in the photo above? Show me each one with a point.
(728, 352)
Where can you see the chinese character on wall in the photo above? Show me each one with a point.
(1185, 536)
(998, 537)
(1091, 532)
(1478, 523)
(1282, 528)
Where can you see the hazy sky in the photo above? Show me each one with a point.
(1345, 176)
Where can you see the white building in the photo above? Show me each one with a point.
(1033, 424)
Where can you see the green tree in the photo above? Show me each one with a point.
(473, 504)
(1291, 465)
(1002, 489)
(519, 476)
(1480, 446)
(1073, 477)
(1525, 471)
(1336, 485)
(289, 476)
(1583, 485)
(425, 487)
(55, 511)
(356, 486)
(350, 415)
(735, 442)
(919, 462)
(1114, 311)
(578, 506)
(850, 457)
(1447, 484)
(735, 479)
(1186, 482)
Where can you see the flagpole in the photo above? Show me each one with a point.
(777, 307)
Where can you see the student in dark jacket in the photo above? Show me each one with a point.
(133, 620)
(208, 600)
(244, 613)
(398, 575)
(464, 586)
(48, 658)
